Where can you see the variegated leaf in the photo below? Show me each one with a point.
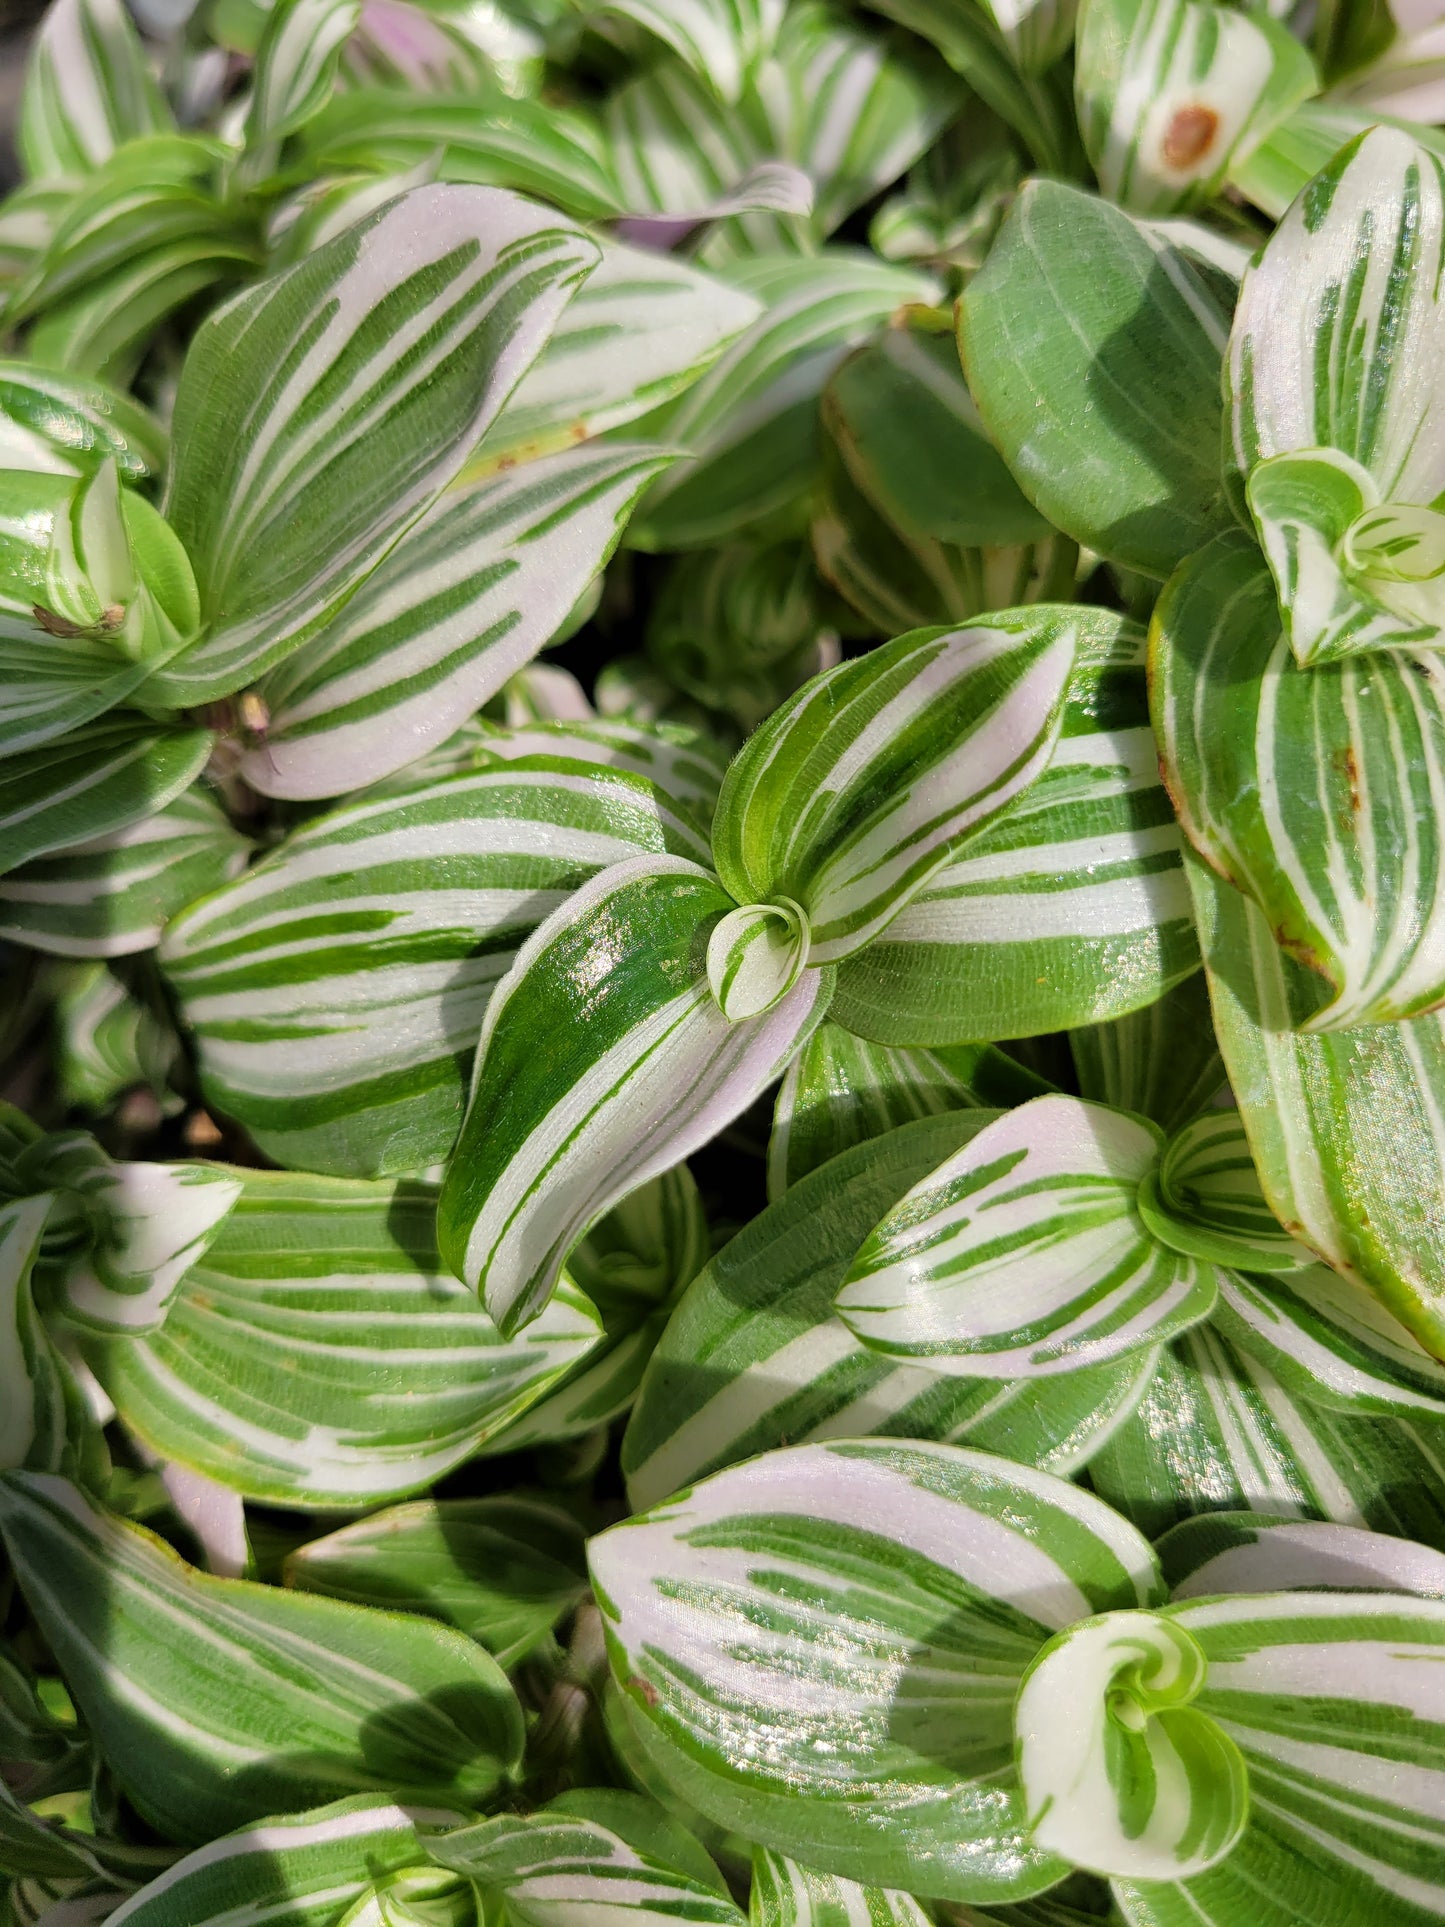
(1331, 1700)
(93, 782)
(1244, 1552)
(721, 40)
(504, 1571)
(271, 1699)
(341, 1057)
(853, 794)
(59, 422)
(1092, 346)
(870, 1606)
(1331, 1341)
(641, 329)
(415, 325)
(88, 89)
(299, 1869)
(751, 421)
(1171, 92)
(686, 765)
(464, 600)
(1204, 1198)
(644, 1070)
(841, 1090)
(115, 894)
(1315, 790)
(1345, 1125)
(1026, 1253)
(785, 1894)
(1217, 1431)
(295, 71)
(264, 1374)
(1070, 906)
(33, 1416)
(1123, 1772)
(561, 1867)
(1161, 1061)
(755, 1355)
(107, 1040)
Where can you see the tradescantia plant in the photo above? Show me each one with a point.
(722, 1185)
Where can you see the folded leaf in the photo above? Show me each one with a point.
(298, 1869)
(32, 1392)
(93, 782)
(1216, 1430)
(840, 1090)
(504, 1571)
(785, 1894)
(1204, 1198)
(414, 325)
(74, 424)
(721, 40)
(870, 1606)
(336, 991)
(644, 1069)
(1025, 1252)
(1313, 789)
(1344, 1125)
(464, 600)
(1172, 92)
(1245, 1552)
(88, 90)
(851, 795)
(755, 1356)
(1092, 347)
(1070, 906)
(264, 1375)
(115, 894)
(270, 1699)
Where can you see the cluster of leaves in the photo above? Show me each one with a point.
(975, 465)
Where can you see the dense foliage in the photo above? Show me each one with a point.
(787, 1266)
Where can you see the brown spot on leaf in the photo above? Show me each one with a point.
(643, 1688)
(1190, 135)
(1346, 762)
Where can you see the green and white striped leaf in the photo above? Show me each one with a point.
(722, 41)
(841, 1090)
(1162, 1061)
(752, 420)
(295, 72)
(1025, 1252)
(264, 1375)
(337, 990)
(1092, 346)
(1070, 906)
(1345, 1126)
(1242, 1552)
(641, 329)
(272, 1697)
(686, 765)
(504, 1570)
(1217, 1431)
(87, 91)
(108, 1040)
(1123, 1773)
(414, 325)
(301, 1870)
(870, 1606)
(853, 794)
(59, 422)
(464, 600)
(1204, 1198)
(785, 1894)
(1171, 92)
(755, 1356)
(561, 1868)
(1331, 1341)
(644, 1070)
(1315, 790)
(33, 1405)
(1332, 1702)
(93, 782)
(115, 894)
(680, 152)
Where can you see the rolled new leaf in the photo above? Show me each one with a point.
(415, 325)
(271, 1700)
(642, 1069)
(1204, 1198)
(1026, 1253)
(869, 1606)
(856, 791)
(1316, 791)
